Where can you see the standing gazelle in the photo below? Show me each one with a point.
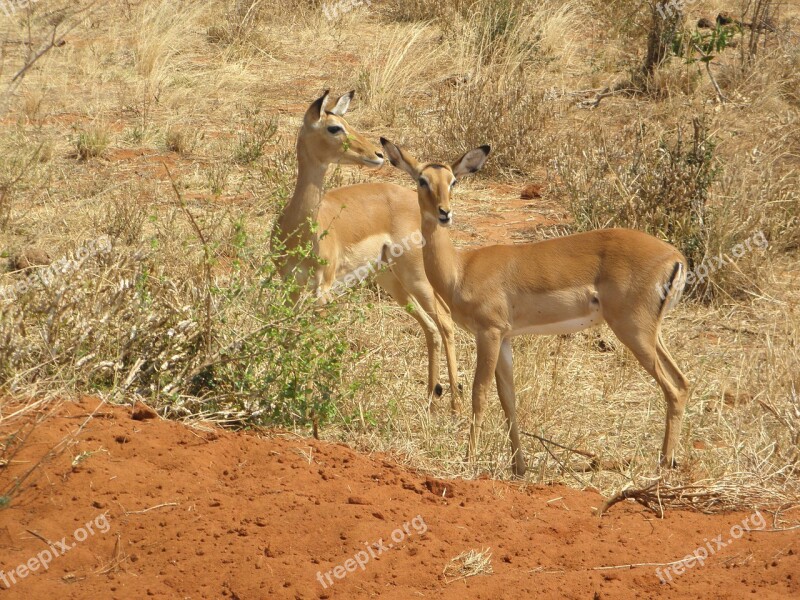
(556, 286)
(358, 226)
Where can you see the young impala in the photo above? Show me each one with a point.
(353, 228)
(557, 286)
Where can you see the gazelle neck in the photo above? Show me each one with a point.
(303, 207)
(442, 262)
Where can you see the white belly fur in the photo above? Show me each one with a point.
(561, 327)
(365, 253)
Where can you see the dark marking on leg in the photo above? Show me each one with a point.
(438, 390)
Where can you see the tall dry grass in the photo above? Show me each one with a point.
(393, 70)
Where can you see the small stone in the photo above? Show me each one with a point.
(358, 500)
(442, 489)
(142, 412)
(531, 191)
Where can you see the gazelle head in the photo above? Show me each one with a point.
(328, 138)
(435, 181)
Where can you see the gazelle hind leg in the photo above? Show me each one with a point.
(647, 347)
(411, 277)
(392, 284)
(438, 312)
(504, 375)
(679, 388)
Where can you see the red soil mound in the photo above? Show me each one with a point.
(191, 514)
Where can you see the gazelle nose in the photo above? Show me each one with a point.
(445, 215)
(379, 154)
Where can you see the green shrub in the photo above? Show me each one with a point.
(664, 185)
(221, 339)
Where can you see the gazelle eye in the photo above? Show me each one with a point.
(423, 182)
(453, 183)
(334, 129)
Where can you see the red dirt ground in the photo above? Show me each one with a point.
(234, 515)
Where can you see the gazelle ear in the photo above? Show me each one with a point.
(400, 158)
(342, 104)
(471, 162)
(314, 112)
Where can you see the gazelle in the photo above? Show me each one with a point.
(355, 227)
(556, 286)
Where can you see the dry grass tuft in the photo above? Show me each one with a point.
(92, 143)
(468, 564)
(180, 139)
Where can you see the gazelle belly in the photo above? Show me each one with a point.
(561, 327)
(361, 259)
(573, 320)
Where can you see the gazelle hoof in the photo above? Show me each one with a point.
(668, 464)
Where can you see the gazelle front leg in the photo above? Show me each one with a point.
(488, 342)
(504, 375)
(447, 333)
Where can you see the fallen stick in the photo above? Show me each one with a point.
(141, 512)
